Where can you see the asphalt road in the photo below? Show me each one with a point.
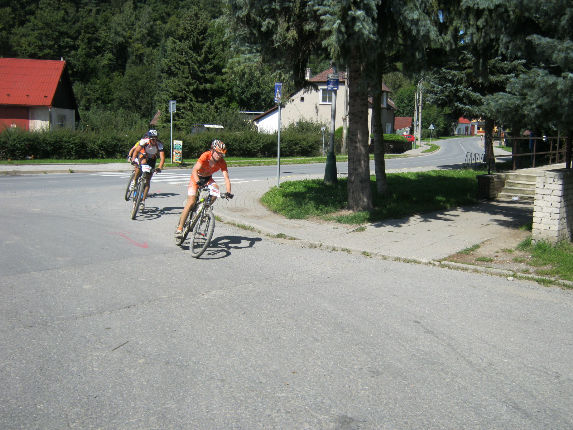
(451, 155)
(105, 323)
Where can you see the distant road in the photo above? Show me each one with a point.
(451, 155)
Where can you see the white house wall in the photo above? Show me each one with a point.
(307, 104)
(42, 117)
(39, 118)
(269, 123)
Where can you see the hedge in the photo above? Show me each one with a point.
(67, 144)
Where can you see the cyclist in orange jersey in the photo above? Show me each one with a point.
(202, 174)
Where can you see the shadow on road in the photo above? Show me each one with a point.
(154, 212)
(220, 247)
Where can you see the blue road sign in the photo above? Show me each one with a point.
(332, 82)
(278, 91)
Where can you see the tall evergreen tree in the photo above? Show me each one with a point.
(476, 68)
(192, 68)
(540, 34)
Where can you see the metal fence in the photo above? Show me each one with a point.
(528, 151)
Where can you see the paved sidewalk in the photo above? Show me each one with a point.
(423, 238)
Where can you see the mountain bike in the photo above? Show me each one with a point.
(130, 187)
(139, 188)
(201, 220)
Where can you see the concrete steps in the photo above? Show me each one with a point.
(519, 185)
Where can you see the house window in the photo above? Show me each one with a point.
(325, 96)
(61, 121)
(302, 99)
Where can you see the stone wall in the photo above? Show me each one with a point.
(489, 186)
(553, 206)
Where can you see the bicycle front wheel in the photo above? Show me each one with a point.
(202, 233)
(128, 190)
(139, 188)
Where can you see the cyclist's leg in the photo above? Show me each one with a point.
(137, 162)
(148, 183)
(213, 184)
(191, 197)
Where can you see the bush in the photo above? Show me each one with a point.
(253, 144)
(396, 144)
(68, 144)
(16, 144)
(393, 144)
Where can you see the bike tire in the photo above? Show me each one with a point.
(128, 191)
(139, 187)
(202, 233)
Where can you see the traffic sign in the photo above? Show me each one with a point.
(431, 127)
(332, 82)
(172, 105)
(278, 91)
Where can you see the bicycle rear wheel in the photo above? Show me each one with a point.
(139, 188)
(202, 233)
(128, 190)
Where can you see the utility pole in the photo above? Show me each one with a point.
(418, 115)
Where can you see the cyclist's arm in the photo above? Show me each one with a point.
(194, 173)
(132, 150)
(162, 159)
(227, 181)
(137, 151)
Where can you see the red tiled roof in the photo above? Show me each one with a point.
(401, 122)
(462, 120)
(323, 77)
(29, 82)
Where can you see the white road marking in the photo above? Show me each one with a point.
(172, 178)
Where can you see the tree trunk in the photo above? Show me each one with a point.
(378, 137)
(359, 191)
(488, 144)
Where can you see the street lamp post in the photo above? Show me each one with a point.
(330, 168)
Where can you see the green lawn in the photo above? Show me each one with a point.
(409, 193)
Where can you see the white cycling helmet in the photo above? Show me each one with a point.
(219, 146)
(152, 133)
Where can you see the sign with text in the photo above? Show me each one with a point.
(332, 82)
(177, 151)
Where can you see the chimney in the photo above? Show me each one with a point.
(307, 74)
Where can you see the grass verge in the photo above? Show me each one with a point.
(551, 260)
(409, 193)
(231, 161)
